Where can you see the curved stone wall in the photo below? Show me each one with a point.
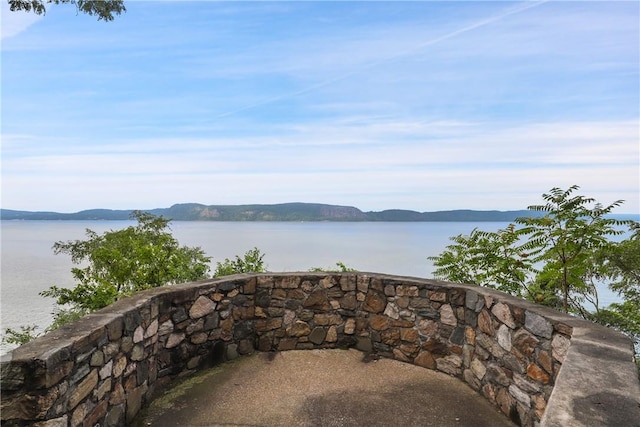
(538, 366)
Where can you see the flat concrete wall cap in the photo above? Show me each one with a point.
(597, 384)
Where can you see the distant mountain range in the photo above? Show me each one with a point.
(275, 212)
(283, 212)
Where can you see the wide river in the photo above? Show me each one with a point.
(29, 265)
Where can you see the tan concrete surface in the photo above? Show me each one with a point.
(320, 388)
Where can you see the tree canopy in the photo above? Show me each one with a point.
(118, 263)
(104, 9)
(251, 262)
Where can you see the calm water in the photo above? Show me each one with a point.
(29, 265)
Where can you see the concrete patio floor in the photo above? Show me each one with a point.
(319, 388)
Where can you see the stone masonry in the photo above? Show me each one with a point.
(102, 369)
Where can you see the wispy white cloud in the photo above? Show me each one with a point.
(350, 162)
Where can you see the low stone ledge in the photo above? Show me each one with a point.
(538, 366)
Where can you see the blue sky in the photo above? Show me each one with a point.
(414, 105)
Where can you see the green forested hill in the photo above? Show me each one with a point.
(275, 212)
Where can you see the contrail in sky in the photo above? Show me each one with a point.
(521, 8)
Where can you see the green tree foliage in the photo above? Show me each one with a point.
(103, 9)
(118, 263)
(251, 262)
(23, 336)
(556, 259)
(622, 265)
(341, 268)
(567, 239)
(492, 259)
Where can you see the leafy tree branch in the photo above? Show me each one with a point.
(104, 9)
